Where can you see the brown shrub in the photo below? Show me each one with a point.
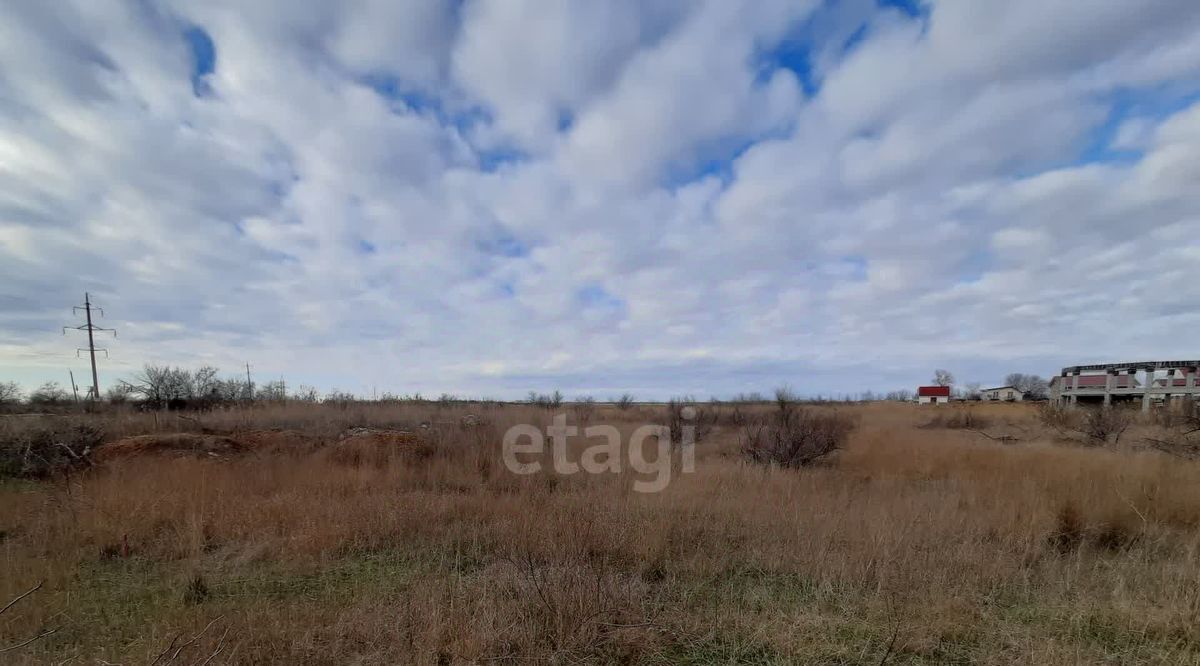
(1091, 426)
(686, 413)
(1068, 529)
(794, 437)
(1057, 417)
(43, 447)
(1105, 425)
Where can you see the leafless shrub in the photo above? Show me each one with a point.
(584, 407)
(45, 447)
(625, 401)
(784, 397)
(50, 393)
(10, 393)
(1059, 418)
(792, 437)
(1105, 425)
(1091, 426)
(1182, 431)
(686, 413)
(546, 400)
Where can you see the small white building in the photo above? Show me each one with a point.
(1002, 393)
(933, 395)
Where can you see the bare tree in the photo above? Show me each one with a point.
(1032, 386)
(273, 391)
(10, 393)
(584, 407)
(204, 381)
(159, 385)
(785, 396)
(942, 377)
(625, 401)
(50, 393)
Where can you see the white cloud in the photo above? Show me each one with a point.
(340, 206)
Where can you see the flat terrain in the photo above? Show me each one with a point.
(256, 537)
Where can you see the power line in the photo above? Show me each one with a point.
(91, 328)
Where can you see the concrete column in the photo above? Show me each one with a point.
(1109, 380)
(1074, 388)
(1147, 388)
(1189, 385)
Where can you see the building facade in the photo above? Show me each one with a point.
(933, 395)
(1003, 394)
(1161, 382)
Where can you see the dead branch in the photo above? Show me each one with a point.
(185, 645)
(220, 646)
(1002, 438)
(27, 642)
(1185, 450)
(15, 601)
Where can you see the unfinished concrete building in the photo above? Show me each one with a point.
(1160, 382)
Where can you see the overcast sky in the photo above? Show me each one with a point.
(664, 197)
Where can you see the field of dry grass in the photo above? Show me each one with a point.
(915, 544)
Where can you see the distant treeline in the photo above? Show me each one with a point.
(172, 387)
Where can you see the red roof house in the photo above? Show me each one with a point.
(933, 395)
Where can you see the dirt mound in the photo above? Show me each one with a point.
(371, 446)
(179, 444)
(277, 441)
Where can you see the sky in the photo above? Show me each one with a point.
(665, 198)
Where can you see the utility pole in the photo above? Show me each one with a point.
(74, 386)
(91, 328)
(249, 384)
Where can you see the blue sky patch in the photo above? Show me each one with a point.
(1151, 105)
(914, 8)
(596, 296)
(492, 160)
(204, 58)
(504, 244)
(794, 55)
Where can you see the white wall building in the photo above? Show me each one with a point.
(1002, 393)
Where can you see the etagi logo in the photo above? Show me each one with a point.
(528, 440)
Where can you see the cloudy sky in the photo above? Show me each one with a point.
(664, 197)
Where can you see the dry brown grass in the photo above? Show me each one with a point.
(942, 544)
